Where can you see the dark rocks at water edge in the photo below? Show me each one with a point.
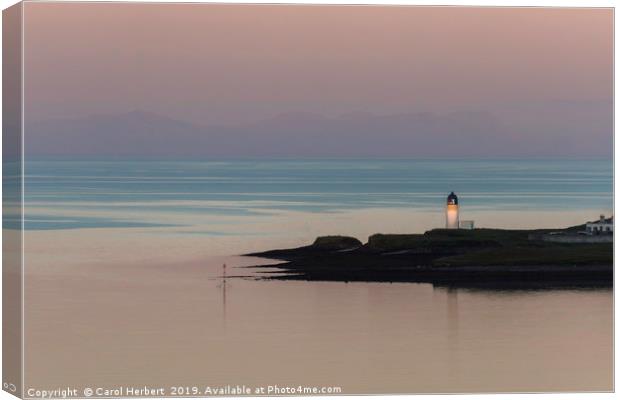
(484, 256)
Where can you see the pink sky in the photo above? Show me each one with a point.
(232, 64)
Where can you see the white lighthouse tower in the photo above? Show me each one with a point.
(452, 212)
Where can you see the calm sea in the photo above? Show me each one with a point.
(124, 265)
(70, 194)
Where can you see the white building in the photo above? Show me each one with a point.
(602, 226)
(469, 225)
(452, 212)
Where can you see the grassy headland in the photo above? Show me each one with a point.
(442, 255)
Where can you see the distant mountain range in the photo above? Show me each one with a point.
(141, 134)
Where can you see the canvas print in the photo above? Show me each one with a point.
(279, 199)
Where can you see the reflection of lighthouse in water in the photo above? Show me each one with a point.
(452, 212)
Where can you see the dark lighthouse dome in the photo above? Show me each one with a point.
(452, 199)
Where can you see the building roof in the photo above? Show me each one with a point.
(609, 220)
(452, 198)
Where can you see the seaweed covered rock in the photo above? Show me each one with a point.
(395, 242)
(336, 243)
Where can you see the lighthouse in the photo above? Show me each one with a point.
(452, 212)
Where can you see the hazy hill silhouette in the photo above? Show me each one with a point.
(143, 134)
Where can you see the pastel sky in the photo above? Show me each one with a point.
(538, 71)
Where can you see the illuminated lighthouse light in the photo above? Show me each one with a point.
(452, 211)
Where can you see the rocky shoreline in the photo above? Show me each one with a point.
(486, 257)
